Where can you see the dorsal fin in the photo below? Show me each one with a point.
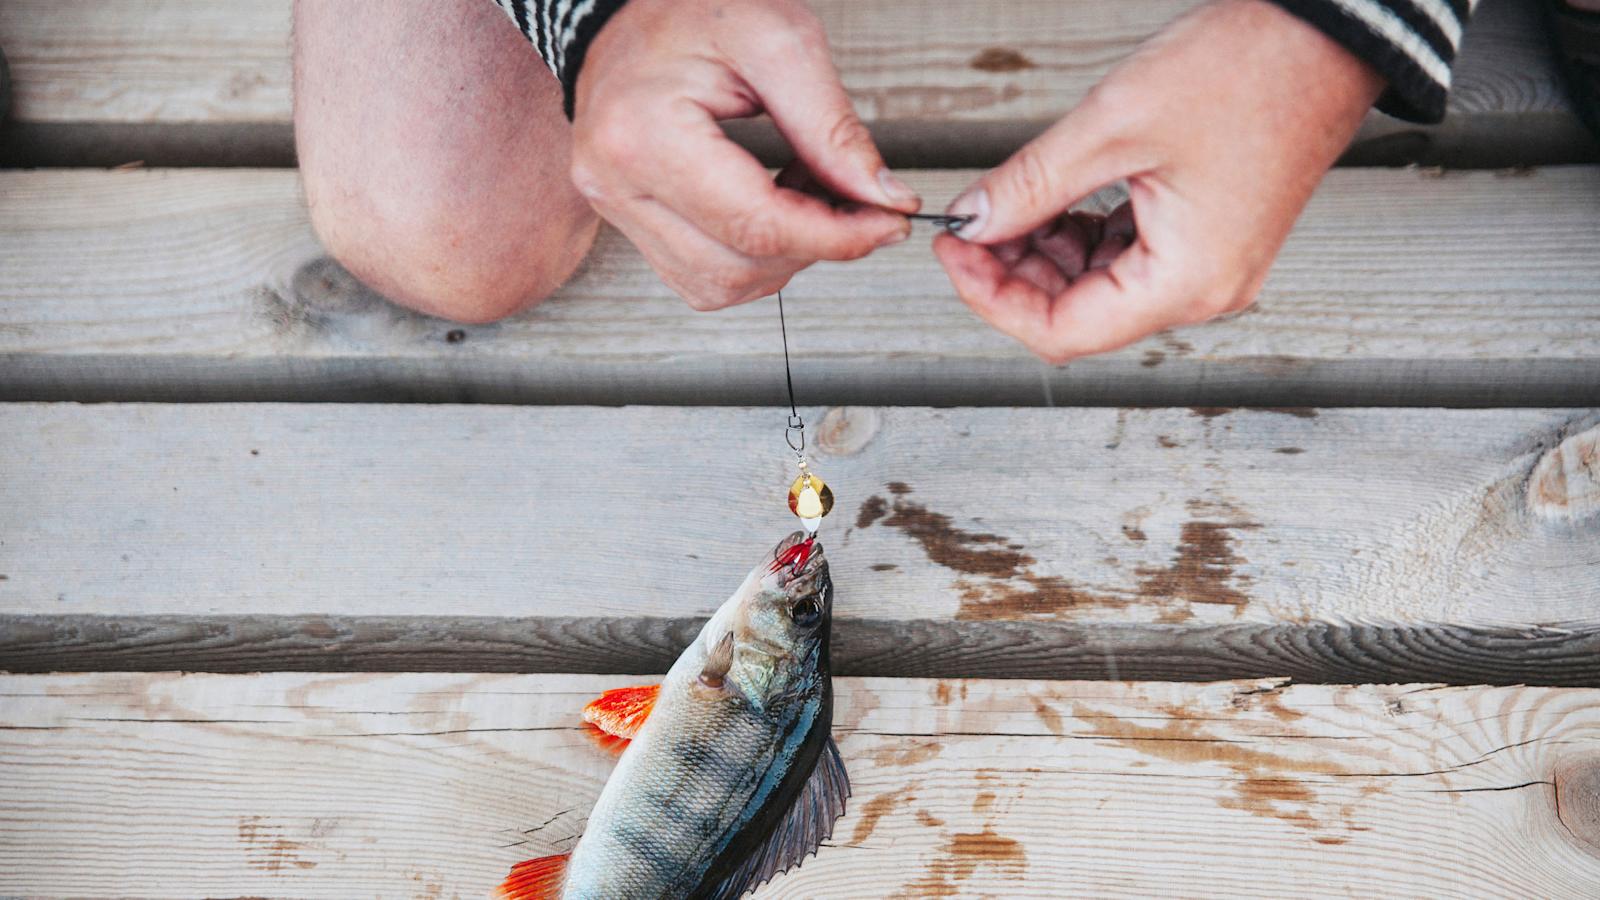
(718, 662)
(534, 879)
(803, 828)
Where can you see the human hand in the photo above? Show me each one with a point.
(650, 157)
(1222, 125)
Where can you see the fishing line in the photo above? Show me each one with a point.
(796, 425)
(809, 497)
(796, 435)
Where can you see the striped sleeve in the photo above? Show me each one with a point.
(561, 30)
(1412, 44)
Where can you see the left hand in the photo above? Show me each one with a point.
(1222, 125)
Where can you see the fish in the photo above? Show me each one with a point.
(730, 774)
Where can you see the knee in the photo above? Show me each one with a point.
(449, 256)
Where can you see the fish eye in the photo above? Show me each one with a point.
(806, 612)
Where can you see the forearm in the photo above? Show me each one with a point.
(1411, 43)
(561, 30)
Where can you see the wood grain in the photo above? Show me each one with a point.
(418, 785)
(184, 82)
(1314, 652)
(1365, 545)
(1397, 287)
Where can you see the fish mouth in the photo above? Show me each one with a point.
(799, 566)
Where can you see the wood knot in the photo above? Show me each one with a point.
(1577, 783)
(1565, 484)
(846, 430)
(1000, 59)
(325, 286)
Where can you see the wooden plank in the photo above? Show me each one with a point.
(322, 786)
(184, 82)
(1398, 287)
(1332, 545)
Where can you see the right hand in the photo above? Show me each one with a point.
(650, 157)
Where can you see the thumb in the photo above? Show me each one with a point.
(813, 112)
(1071, 160)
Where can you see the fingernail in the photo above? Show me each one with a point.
(974, 203)
(896, 238)
(896, 190)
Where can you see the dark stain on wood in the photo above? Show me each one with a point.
(1167, 442)
(928, 820)
(960, 857)
(1038, 595)
(1181, 738)
(1174, 345)
(1202, 571)
(267, 850)
(883, 567)
(993, 564)
(1000, 59)
(1152, 358)
(1048, 715)
(872, 509)
(1269, 783)
(1289, 451)
(1267, 699)
(1210, 412)
(983, 801)
(1285, 799)
(998, 582)
(908, 754)
(1175, 615)
(1133, 533)
(878, 807)
(968, 552)
(1334, 840)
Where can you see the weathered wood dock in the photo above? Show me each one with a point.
(300, 593)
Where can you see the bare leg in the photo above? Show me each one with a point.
(434, 154)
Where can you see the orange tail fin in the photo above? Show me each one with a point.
(534, 879)
(621, 711)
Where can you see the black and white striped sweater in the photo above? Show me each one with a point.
(1412, 43)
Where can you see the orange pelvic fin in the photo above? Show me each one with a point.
(621, 712)
(534, 879)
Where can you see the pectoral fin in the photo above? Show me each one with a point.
(803, 828)
(620, 712)
(718, 662)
